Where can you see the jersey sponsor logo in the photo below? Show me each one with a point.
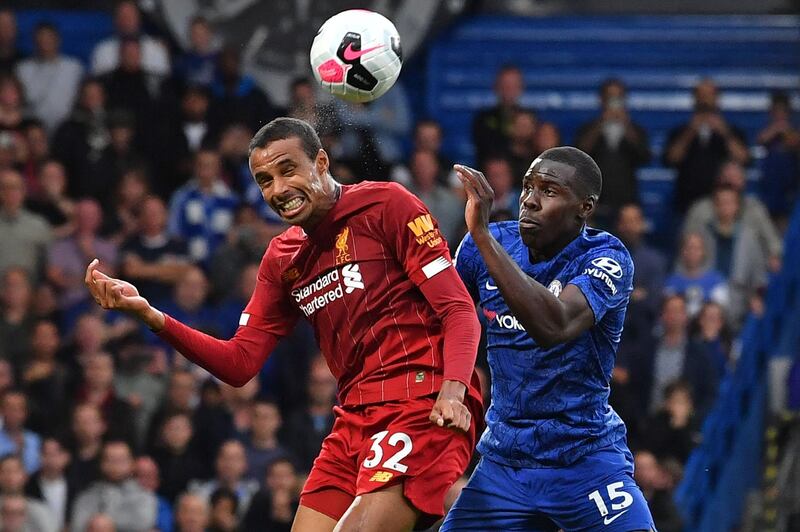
(610, 266)
(555, 287)
(504, 321)
(424, 231)
(437, 265)
(605, 269)
(490, 286)
(351, 276)
(342, 248)
(333, 285)
(381, 476)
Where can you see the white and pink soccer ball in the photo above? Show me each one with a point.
(356, 55)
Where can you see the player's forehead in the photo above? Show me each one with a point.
(549, 170)
(276, 153)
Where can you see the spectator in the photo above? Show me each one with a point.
(24, 236)
(231, 310)
(6, 376)
(694, 277)
(81, 139)
(224, 509)
(273, 507)
(212, 422)
(201, 212)
(239, 402)
(230, 467)
(547, 136)
(751, 213)
(122, 214)
(173, 453)
(236, 98)
(141, 382)
(506, 195)
(45, 379)
(491, 127)
(699, 147)
(308, 425)
(303, 104)
(711, 329)
(88, 430)
(14, 508)
(117, 494)
(735, 251)
(50, 483)
(649, 265)
(182, 138)
(37, 151)
(101, 523)
(191, 514)
(261, 443)
(442, 202)
(179, 399)
(53, 204)
(103, 175)
(16, 318)
(780, 167)
(12, 484)
(655, 486)
(97, 389)
(672, 432)
(669, 356)
(130, 87)
(147, 475)
(127, 23)
(69, 256)
(14, 437)
(12, 103)
(386, 120)
(522, 144)
(10, 55)
(151, 258)
(618, 145)
(51, 80)
(189, 303)
(197, 64)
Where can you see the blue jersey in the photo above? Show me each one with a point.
(550, 405)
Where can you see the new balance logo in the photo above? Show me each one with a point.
(351, 276)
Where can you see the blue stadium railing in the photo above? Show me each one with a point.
(726, 465)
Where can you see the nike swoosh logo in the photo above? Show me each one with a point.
(490, 287)
(351, 55)
(608, 520)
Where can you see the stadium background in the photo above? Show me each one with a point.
(707, 383)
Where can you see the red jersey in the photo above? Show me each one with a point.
(355, 278)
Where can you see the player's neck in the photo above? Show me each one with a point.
(548, 252)
(331, 197)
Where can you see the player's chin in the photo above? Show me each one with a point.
(528, 237)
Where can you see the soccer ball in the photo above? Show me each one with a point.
(356, 55)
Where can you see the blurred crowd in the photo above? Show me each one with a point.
(139, 158)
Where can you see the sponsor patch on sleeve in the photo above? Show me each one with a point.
(437, 265)
(244, 318)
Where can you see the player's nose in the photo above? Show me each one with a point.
(531, 200)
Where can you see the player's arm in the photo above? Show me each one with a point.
(235, 361)
(414, 237)
(548, 319)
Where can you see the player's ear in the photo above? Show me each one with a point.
(322, 162)
(587, 206)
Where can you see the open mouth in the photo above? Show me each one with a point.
(292, 207)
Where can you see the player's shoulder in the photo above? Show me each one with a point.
(377, 191)
(597, 242)
(285, 243)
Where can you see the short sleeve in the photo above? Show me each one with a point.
(269, 308)
(605, 277)
(413, 235)
(467, 264)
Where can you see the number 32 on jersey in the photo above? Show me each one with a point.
(399, 446)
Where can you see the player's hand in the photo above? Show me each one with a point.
(480, 197)
(120, 295)
(449, 410)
